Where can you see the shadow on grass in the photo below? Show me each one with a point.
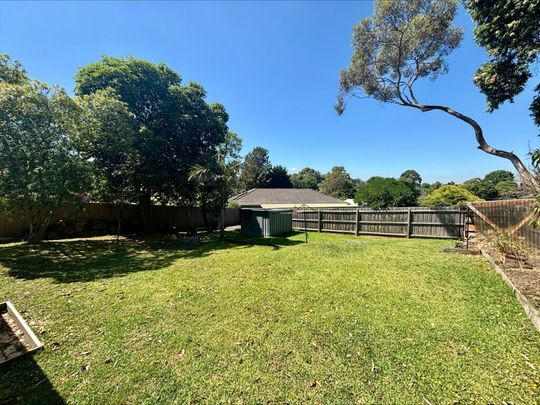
(79, 260)
(24, 382)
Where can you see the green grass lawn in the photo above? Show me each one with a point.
(341, 319)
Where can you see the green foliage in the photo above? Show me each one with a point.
(448, 195)
(338, 183)
(307, 178)
(175, 128)
(509, 30)
(255, 170)
(403, 41)
(11, 71)
(279, 178)
(507, 189)
(380, 192)
(497, 176)
(488, 188)
(481, 188)
(412, 177)
(40, 170)
(217, 177)
(106, 137)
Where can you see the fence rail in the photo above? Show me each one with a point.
(409, 222)
(180, 218)
(508, 217)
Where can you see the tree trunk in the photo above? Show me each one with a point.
(527, 178)
(120, 216)
(204, 212)
(222, 215)
(145, 205)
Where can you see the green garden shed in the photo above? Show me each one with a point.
(265, 222)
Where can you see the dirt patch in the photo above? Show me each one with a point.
(522, 269)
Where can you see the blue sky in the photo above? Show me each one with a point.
(275, 66)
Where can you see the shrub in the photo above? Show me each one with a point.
(448, 195)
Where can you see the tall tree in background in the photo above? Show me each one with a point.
(176, 128)
(404, 41)
(381, 192)
(509, 30)
(412, 177)
(338, 183)
(106, 138)
(40, 169)
(497, 176)
(279, 178)
(307, 178)
(255, 169)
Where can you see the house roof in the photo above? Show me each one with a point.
(285, 197)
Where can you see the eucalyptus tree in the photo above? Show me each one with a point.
(405, 41)
(509, 30)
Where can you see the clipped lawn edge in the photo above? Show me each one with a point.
(530, 310)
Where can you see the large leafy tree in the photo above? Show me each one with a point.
(175, 127)
(497, 176)
(40, 169)
(307, 178)
(279, 178)
(481, 188)
(412, 177)
(255, 170)
(106, 138)
(405, 41)
(509, 30)
(381, 192)
(338, 183)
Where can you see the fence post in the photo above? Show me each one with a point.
(319, 228)
(409, 223)
(356, 222)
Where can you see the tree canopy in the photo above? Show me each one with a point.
(381, 192)
(338, 183)
(175, 127)
(255, 169)
(448, 195)
(405, 41)
(40, 169)
(412, 177)
(279, 178)
(509, 30)
(307, 178)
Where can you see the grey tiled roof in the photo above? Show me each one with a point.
(259, 196)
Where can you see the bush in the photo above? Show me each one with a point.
(448, 195)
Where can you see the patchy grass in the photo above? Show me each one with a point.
(338, 320)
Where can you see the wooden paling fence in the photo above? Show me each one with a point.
(508, 217)
(180, 218)
(409, 222)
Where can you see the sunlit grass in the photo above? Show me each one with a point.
(338, 320)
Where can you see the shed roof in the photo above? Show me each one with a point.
(285, 196)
